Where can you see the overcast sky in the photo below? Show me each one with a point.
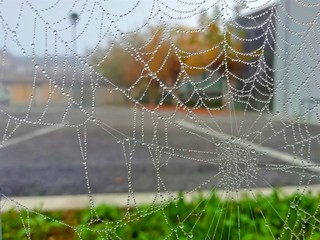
(35, 26)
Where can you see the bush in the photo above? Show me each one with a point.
(262, 217)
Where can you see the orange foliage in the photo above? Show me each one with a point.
(210, 49)
(161, 58)
(165, 55)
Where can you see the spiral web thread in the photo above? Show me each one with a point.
(265, 65)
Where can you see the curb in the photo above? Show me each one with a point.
(77, 202)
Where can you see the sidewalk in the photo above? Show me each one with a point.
(74, 202)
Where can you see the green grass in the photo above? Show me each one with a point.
(263, 217)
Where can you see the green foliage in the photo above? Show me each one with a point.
(262, 217)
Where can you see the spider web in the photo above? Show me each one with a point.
(215, 95)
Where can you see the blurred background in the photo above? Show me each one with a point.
(156, 96)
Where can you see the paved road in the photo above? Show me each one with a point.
(121, 149)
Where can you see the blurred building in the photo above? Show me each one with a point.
(51, 81)
(285, 76)
(204, 88)
(297, 60)
(257, 29)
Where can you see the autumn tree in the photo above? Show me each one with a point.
(211, 46)
(118, 66)
(142, 62)
(216, 47)
(161, 61)
(159, 58)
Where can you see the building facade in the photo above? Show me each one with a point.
(297, 60)
(22, 83)
(256, 28)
